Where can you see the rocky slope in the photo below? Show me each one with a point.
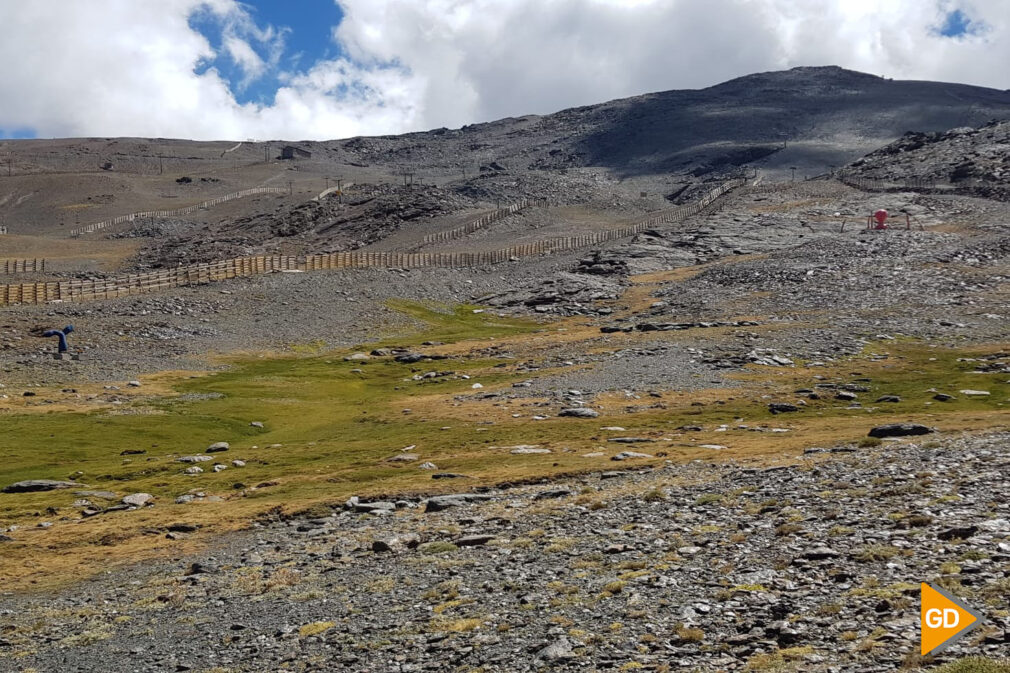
(812, 567)
(973, 161)
(663, 143)
(835, 114)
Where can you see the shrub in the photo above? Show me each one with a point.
(708, 499)
(315, 628)
(437, 548)
(876, 552)
(788, 529)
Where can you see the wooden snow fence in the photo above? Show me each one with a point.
(199, 274)
(481, 222)
(9, 267)
(189, 210)
(874, 185)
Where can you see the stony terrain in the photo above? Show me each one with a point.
(811, 566)
(766, 252)
(780, 544)
(965, 160)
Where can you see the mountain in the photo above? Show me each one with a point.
(811, 117)
(660, 144)
(971, 161)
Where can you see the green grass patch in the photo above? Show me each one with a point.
(450, 324)
(330, 425)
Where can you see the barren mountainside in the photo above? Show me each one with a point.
(613, 389)
(968, 160)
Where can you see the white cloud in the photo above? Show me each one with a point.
(130, 67)
(246, 57)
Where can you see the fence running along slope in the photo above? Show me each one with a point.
(198, 274)
(91, 228)
(12, 266)
(481, 222)
(874, 185)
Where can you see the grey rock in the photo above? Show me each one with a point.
(821, 553)
(369, 507)
(559, 650)
(105, 495)
(474, 540)
(628, 455)
(39, 485)
(552, 493)
(138, 499)
(900, 430)
(958, 533)
(782, 407)
(528, 450)
(439, 503)
(579, 412)
(387, 545)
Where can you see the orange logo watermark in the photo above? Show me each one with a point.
(944, 619)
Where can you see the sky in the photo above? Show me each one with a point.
(323, 69)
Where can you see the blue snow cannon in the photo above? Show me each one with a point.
(61, 334)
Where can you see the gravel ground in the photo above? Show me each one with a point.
(826, 293)
(812, 567)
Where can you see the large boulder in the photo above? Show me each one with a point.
(39, 485)
(139, 499)
(900, 430)
(782, 407)
(579, 412)
(441, 502)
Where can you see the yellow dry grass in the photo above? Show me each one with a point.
(46, 558)
(70, 252)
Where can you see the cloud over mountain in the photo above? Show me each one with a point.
(129, 67)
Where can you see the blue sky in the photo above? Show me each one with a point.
(17, 133)
(957, 23)
(271, 69)
(305, 37)
(306, 28)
